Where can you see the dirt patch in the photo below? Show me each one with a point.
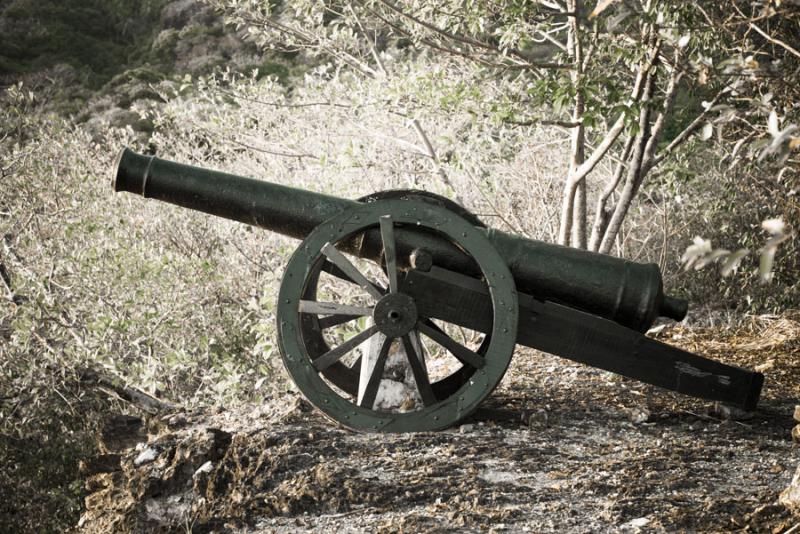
(559, 447)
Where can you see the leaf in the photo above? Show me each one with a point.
(772, 124)
(708, 131)
(774, 226)
(731, 263)
(602, 5)
(695, 251)
(612, 23)
(710, 258)
(785, 134)
(766, 262)
(776, 146)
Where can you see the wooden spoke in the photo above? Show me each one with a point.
(350, 270)
(433, 325)
(332, 308)
(389, 251)
(335, 320)
(462, 353)
(334, 355)
(419, 372)
(333, 270)
(371, 391)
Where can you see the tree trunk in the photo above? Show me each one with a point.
(567, 207)
(579, 221)
(602, 214)
(634, 176)
(573, 207)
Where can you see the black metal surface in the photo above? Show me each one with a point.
(587, 339)
(628, 293)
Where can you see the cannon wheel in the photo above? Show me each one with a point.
(345, 377)
(395, 316)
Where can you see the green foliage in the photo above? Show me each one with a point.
(40, 490)
(96, 37)
(721, 207)
(94, 283)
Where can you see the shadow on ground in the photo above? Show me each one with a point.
(559, 447)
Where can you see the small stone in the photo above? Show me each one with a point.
(102, 481)
(639, 415)
(766, 366)
(541, 417)
(177, 421)
(146, 456)
(205, 468)
(638, 522)
(731, 413)
(790, 498)
(797, 413)
(465, 428)
(796, 433)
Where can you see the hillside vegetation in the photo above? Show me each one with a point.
(97, 38)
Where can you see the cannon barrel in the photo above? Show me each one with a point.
(628, 293)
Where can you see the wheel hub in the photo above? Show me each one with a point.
(395, 315)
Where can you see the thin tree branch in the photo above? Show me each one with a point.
(492, 205)
(768, 37)
(529, 62)
(635, 175)
(684, 135)
(616, 129)
(574, 215)
(452, 51)
(601, 215)
(372, 48)
(284, 105)
(592, 46)
(666, 113)
(432, 154)
(272, 152)
(130, 394)
(546, 122)
(310, 41)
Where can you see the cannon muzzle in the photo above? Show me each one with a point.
(628, 293)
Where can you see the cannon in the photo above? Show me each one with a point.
(418, 270)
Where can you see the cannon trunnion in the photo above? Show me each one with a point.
(445, 285)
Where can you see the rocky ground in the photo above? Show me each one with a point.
(559, 447)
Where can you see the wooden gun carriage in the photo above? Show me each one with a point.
(443, 269)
